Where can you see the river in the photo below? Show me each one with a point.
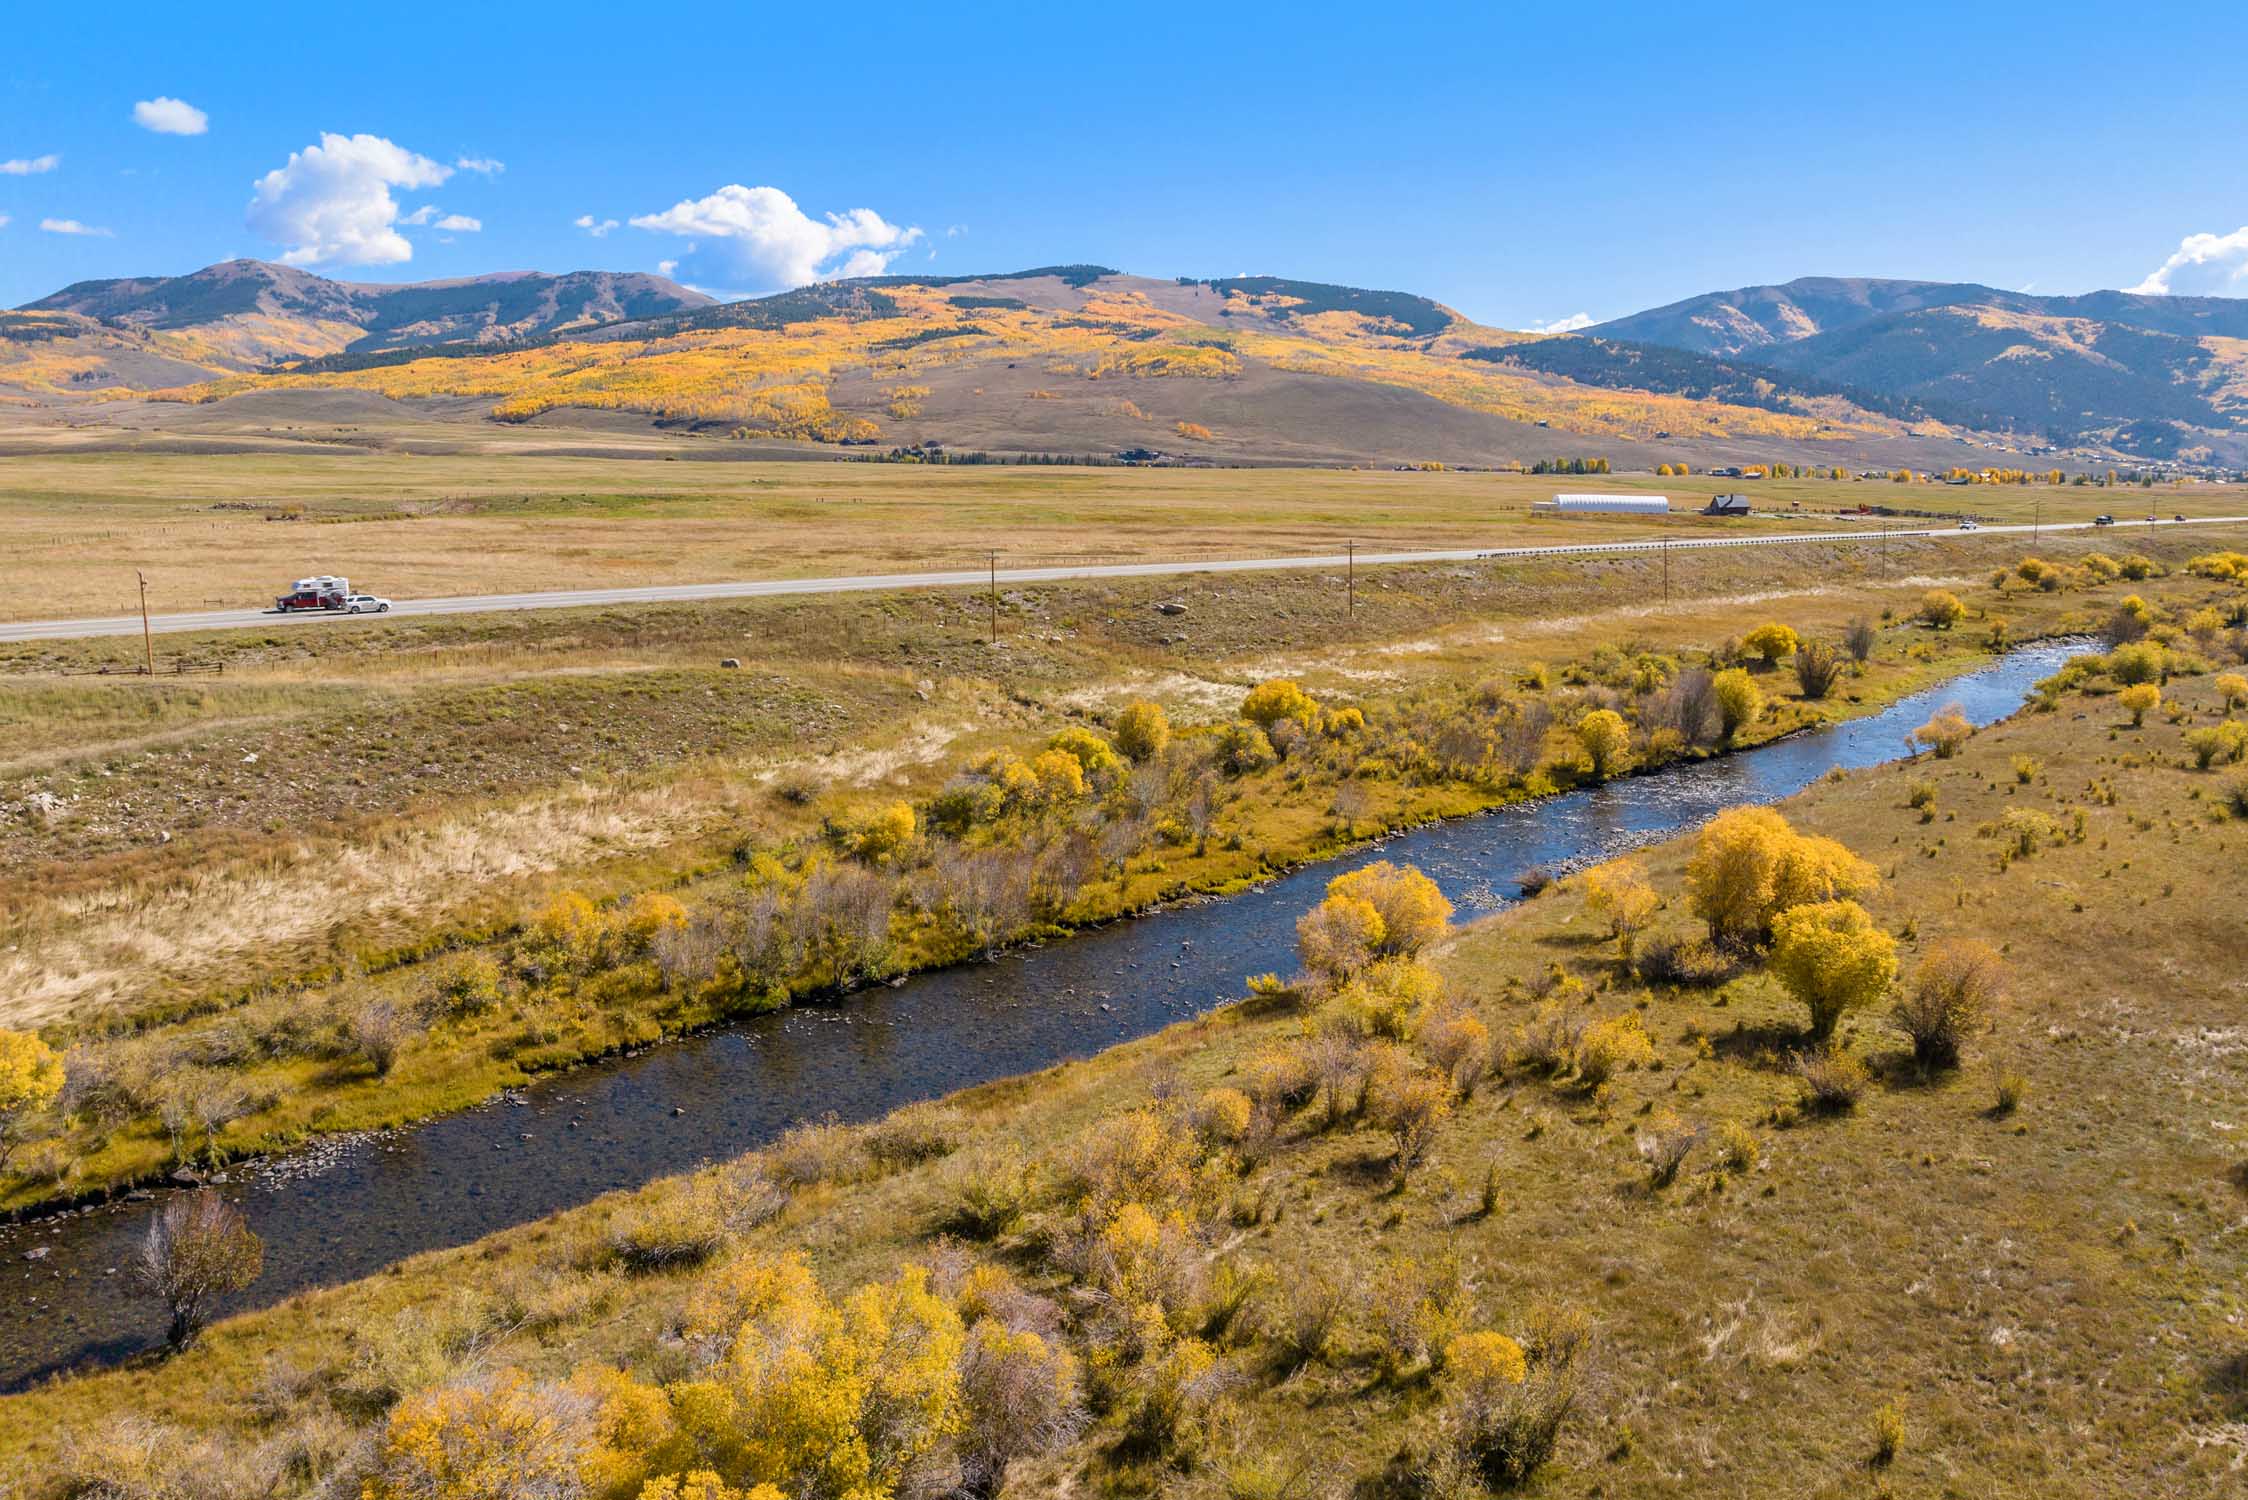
(341, 1210)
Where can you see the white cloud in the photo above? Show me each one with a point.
(332, 202)
(481, 164)
(72, 226)
(26, 167)
(169, 116)
(3, 221)
(421, 215)
(460, 223)
(666, 267)
(1570, 324)
(757, 239)
(593, 226)
(2204, 265)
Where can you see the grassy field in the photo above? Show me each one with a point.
(2017, 1277)
(74, 528)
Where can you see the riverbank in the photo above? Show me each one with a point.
(554, 1146)
(279, 1081)
(2062, 1269)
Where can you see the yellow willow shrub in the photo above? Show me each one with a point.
(1607, 742)
(650, 914)
(1061, 775)
(496, 1440)
(1280, 698)
(31, 1077)
(1019, 1395)
(845, 1402)
(1135, 1155)
(886, 832)
(1610, 1047)
(1771, 641)
(1618, 891)
(1832, 957)
(1094, 755)
(702, 1484)
(1740, 702)
(1142, 730)
(1748, 865)
(1390, 998)
(1339, 936)
(1413, 910)
(2139, 700)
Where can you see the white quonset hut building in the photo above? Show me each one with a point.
(1627, 505)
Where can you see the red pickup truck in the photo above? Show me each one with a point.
(323, 592)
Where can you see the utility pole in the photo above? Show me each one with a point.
(1350, 576)
(995, 597)
(1666, 572)
(148, 641)
(2037, 519)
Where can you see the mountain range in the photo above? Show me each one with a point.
(1087, 360)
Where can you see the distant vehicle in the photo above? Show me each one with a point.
(1969, 526)
(366, 604)
(323, 592)
(2103, 520)
(2177, 518)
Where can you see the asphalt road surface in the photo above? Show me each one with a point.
(252, 619)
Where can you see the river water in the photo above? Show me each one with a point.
(343, 1210)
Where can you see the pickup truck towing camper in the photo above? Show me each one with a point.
(324, 592)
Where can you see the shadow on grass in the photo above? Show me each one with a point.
(2226, 1379)
(1765, 1046)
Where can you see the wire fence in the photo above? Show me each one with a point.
(177, 667)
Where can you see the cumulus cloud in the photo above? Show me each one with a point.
(460, 224)
(331, 202)
(420, 216)
(72, 226)
(595, 227)
(20, 166)
(2204, 265)
(757, 239)
(1570, 324)
(481, 164)
(169, 116)
(3, 221)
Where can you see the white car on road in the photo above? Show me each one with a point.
(366, 604)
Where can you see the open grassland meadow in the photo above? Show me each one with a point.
(835, 852)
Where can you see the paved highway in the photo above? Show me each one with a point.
(255, 619)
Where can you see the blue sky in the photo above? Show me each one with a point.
(1523, 164)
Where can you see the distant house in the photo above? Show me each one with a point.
(1726, 505)
(1733, 473)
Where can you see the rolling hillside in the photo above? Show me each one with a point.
(1082, 360)
(2159, 377)
(244, 314)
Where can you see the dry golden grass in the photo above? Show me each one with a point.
(75, 527)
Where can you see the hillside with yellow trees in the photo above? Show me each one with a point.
(1078, 361)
